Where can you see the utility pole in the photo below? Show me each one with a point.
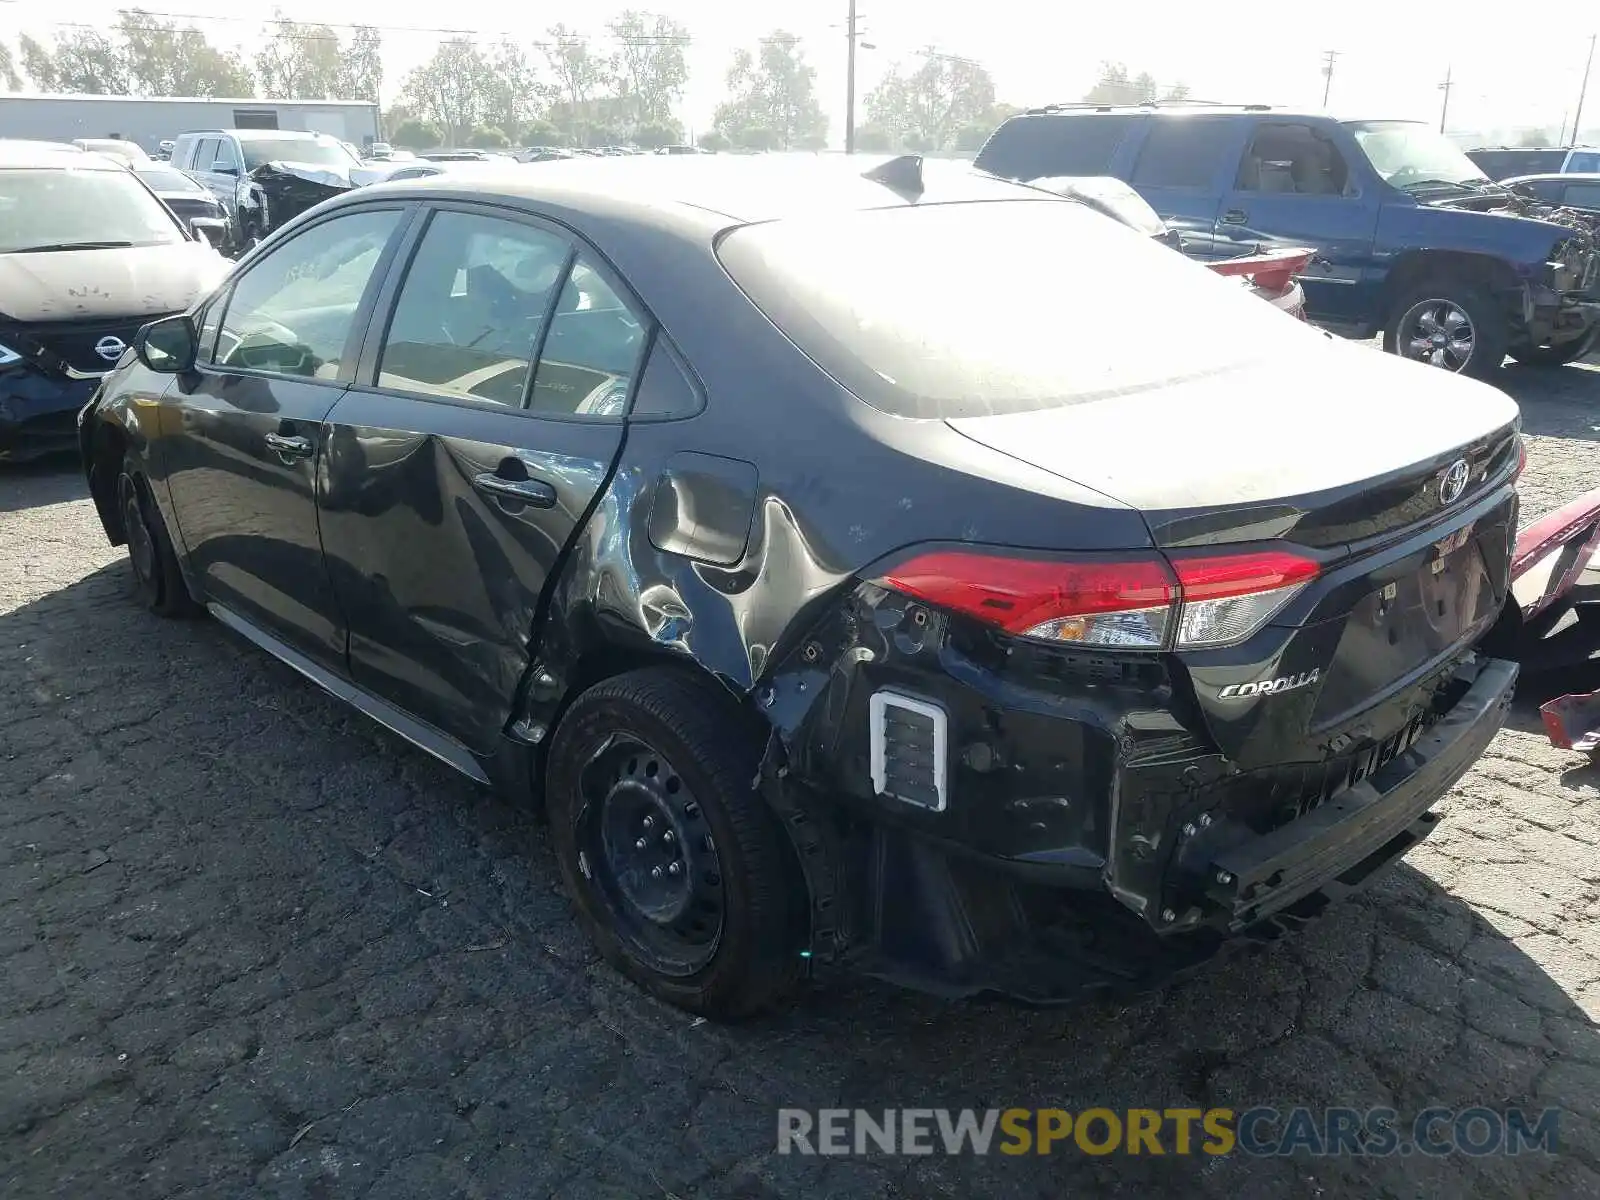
(850, 82)
(1578, 117)
(1445, 88)
(1327, 73)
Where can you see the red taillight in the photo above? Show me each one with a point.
(1218, 577)
(1017, 594)
(1143, 602)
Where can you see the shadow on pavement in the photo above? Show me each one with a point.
(287, 916)
(1556, 401)
(53, 480)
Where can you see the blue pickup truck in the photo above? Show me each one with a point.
(1413, 240)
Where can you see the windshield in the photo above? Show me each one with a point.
(1409, 153)
(60, 208)
(166, 179)
(957, 310)
(313, 150)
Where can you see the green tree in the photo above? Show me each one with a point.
(649, 71)
(9, 78)
(970, 138)
(487, 137)
(658, 133)
(541, 133)
(755, 138)
(580, 77)
(929, 106)
(299, 61)
(1115, 87)
(416, 134)
(165, 60)
(514, 95)
(452, 89)
(1536, 138)
(773, 91)
(715, 141)
(875, 139)
(84, 61)
(361, 66)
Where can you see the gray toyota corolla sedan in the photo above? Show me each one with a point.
(847, 575)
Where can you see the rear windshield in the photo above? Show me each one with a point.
(1502, 164)
(59, 209)
(1031, 147)
(958, 310)
(314, 151)
(165, 179)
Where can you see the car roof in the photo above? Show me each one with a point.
(741, 189)
(1556, 177)
(18, 153)
(263, 134)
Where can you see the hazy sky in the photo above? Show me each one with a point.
(1507, 73)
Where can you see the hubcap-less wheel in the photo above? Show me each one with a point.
(1438, 332)
(141, 546)
(645, 848)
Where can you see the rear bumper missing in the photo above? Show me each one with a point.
(933, 916)
(1370, 824)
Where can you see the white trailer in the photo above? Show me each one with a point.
(150, 120)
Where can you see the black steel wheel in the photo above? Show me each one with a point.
(644, 842)
(157, 579)
(1450, 324)
(681, 874)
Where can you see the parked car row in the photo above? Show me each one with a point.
(1412, 240)
(843, 603)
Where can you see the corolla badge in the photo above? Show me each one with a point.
(1453, 482)
(1269, 687)
(110, 348)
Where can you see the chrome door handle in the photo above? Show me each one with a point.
(289, 447)
(526, 491)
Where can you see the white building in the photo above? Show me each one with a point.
(148, 120)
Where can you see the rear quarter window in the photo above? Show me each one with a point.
(1044, 144)
(1185, 152)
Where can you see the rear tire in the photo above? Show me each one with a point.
(1437, 303)
(1559, 355)
(681, 874)
(157, 579)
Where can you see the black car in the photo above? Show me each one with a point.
(843, 572)
(189, 202)
(87, 255)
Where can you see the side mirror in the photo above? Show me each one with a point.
(212, 229)
(168, 346)
(222, 168)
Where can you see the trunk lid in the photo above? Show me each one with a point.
(1325, 447)
(1359, 460)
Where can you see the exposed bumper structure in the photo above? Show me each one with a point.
(39, 412)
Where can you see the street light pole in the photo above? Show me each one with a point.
(1578, 117)
(850, 83)
(1445, 88)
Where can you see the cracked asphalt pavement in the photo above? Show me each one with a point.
(253, 945)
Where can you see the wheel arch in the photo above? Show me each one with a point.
(1413, 266)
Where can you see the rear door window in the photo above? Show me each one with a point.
(1583, 195)
(591, 352)
(1583, 162)
(1184, 152)
(1045, 144)
(205, 154)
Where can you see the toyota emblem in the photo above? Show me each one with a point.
(110, 348)
(1453, 482)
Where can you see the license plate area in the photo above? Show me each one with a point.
(1404, 624)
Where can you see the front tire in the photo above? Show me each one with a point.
(682, 875)
(1559, 355)
(1448, 323)
(157, 579)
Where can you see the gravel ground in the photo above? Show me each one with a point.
(251, 945)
